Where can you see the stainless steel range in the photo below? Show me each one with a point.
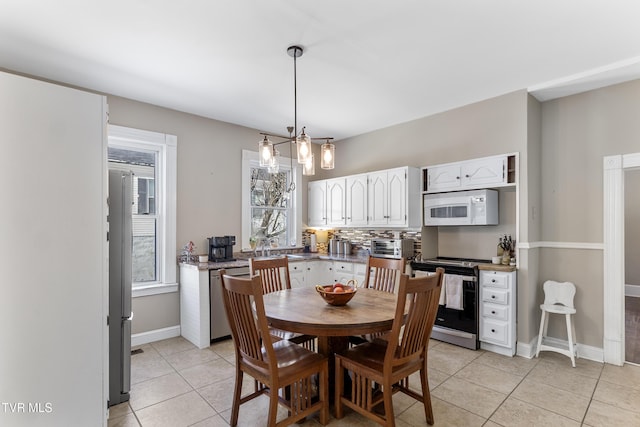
(456, 323)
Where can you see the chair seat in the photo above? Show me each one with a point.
(292, 358)
(557, 309)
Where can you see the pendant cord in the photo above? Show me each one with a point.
(295, 94)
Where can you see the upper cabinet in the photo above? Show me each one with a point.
(388, 198)
(356, 206)
(495, 171)
(317, 203)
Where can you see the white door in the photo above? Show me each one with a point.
(484, 172)
(441, 178)
(336, 199)
(317, 203)
(377, 199)
(397, 197)
(356, 200)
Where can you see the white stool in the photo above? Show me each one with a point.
(558, 299)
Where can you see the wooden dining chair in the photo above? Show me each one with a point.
(381, 274)
(274, 273)
(274, 365)
(388, 362)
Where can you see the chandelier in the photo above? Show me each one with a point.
(267, 148)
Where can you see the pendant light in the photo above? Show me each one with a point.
(265, 150)
(304, 151)
(327, 152)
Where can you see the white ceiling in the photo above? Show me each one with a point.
(368, 64)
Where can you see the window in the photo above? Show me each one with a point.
(152, 159)
(270, 203)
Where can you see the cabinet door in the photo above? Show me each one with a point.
(440, 178)
(377, 198)
(356, 186)
(397, 197)
(296, 273)
(317, 203)
(316, 273)
(484, 172)
(336, 199)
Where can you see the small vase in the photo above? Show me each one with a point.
(506, 258)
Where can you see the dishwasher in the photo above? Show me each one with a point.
(219, 326)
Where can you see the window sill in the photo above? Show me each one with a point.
(156, 289)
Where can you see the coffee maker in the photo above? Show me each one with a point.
(221, 248)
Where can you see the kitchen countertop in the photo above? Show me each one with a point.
(497, 267)
(297, 257)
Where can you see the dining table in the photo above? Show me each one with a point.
(304, 311)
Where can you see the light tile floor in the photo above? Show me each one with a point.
(176, 384)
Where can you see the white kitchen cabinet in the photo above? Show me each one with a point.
(317, 203)
(388, 198)
(498, 311)
(342, 272)
(336, 202)
(393, 198)
(444, 178)
(486, 172)
(356, 200)
(297, 272)
(359, 272)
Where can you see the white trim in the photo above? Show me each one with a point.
(613, 260)
(587, 352)
(156, 289)
(155, 335)
(561, 245)
(166, 146)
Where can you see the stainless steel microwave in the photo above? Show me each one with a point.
(475, 207)
(392, 248)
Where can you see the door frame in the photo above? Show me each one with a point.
(613, 260)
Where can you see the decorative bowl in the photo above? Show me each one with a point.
(337, 298)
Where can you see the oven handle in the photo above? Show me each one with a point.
(464, 278)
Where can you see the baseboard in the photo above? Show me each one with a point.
(632, 290)
(528, 350)
(155, 335)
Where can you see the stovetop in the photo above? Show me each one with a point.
(456, 262)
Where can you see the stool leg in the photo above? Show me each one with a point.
(575, 337)
(570, 337)
(542, 328)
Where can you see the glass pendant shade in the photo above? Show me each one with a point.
(274, 164)
(265, 148)
(328, 155)
(303, 144)
(308, 167)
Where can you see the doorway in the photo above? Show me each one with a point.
(632, 265)
(613, 260)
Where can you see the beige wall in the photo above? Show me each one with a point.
(578, 131)
(209, 165)
(561, 144)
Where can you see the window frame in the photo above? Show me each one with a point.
(165, 146)
(251, 159)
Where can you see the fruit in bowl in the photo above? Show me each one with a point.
(338, 294)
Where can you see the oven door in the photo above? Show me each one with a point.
(447, 211)
(461, 320)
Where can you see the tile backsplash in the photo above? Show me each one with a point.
(361, 238)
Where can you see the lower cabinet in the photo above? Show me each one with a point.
(324, 272)
(498, 311)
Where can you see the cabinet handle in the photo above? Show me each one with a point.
(493, 280)
(457, 177)
(493, 331)
(466, 176)
(348, 217)
(493, 312)
(493, 296)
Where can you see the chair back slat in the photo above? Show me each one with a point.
(249, 331)
(383, 273)
(421, 295)
(274, 273)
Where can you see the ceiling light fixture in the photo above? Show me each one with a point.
(304, 152)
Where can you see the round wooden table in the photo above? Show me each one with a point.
(302, 310)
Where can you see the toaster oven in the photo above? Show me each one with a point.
(392, 248)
